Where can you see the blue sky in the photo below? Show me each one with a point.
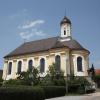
(35, 19)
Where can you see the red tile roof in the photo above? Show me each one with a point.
(97, 71)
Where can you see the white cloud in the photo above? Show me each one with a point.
(26, 35)
(38, 32)
(29, 29)
(31, 24)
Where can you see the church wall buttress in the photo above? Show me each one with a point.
(5, 70)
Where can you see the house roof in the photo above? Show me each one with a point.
(44, 45)
(97, 71)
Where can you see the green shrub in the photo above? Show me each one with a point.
(31, 93)
(77, 84)
(59, 82)
(1, 82)
(54, 91)
(76, 88)
(97, 80)
(78, 80)
(21, 93)
(46, 81)
(31, 77)
(13, 82)
(81, 89)
(73, 88)
(53, 77)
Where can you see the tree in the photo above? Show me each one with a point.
(30, 77)
(92, 71)
(57, 77)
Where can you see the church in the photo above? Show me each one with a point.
(69, 55)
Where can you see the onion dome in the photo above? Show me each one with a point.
(65, 20)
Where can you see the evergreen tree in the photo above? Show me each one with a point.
(92, 71)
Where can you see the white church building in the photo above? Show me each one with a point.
(69, 55)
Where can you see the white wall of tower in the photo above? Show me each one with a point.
(67, 28)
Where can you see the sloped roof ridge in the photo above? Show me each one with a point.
(41, 39)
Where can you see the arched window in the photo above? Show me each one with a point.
(19, 67)
(64, 32)
(30, 64)
(79, 64)
(42, 65)
(57, 62)
(9, 68)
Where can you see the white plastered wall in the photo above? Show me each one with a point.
(11, 75)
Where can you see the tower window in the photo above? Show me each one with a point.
(64, 32)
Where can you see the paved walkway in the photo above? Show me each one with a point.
(92, 96)
(68, 98)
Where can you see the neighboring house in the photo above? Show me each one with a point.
(97, 71)
(63, 50)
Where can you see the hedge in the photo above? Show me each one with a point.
(31, 93)
(97, 80)
(76, 88)
(54, 91)
(21, 93)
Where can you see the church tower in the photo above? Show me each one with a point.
(65, 26)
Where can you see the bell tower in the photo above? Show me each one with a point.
(65, 26)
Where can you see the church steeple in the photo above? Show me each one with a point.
(65, 26)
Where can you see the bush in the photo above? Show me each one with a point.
(59, 82)
(77, 84)
(31, 77)
(21, 93)
(53, 77)
(54, 91)
(81, 89)
(97, 80)
(13, 82)
(46, 81)
(1, 81)
(31, 93)
(25, 78)
(76, 88)
(78, 80)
